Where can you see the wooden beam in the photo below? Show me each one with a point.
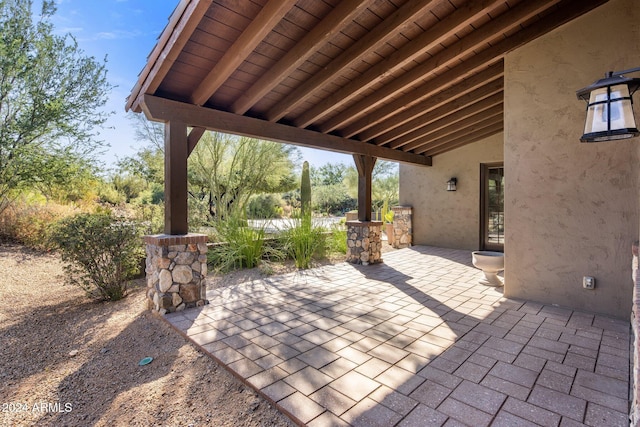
(378, 35)
(484, 108)
(472, 89)
(175, 178)
(267, 18)
(344, 12)
(364, 166)
(193, 138)
(472, 126)
(452, 55)
(458, 20)
(161, 109)
(479, 135)
(182, 23)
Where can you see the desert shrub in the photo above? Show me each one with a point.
(239, 246)
(102, 253)
(265, 206)
(336, 239)
(27, 220)
(303, 241)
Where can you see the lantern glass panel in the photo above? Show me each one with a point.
(621, 110)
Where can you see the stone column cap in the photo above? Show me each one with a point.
(364, 223)
(172, 239)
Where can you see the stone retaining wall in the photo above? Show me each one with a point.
(176, 271)
(364, 242)
(402, 226)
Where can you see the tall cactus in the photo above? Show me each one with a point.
(305, 190)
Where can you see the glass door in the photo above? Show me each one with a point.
(492, 207)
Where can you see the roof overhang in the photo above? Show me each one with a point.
(399, 80)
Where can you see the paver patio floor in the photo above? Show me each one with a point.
(415, 341)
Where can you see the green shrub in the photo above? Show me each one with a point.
(239, 246)
(101, 253)
(336, 241)
(304, 241)
(265, 206)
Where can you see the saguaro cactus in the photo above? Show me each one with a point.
(305, 190)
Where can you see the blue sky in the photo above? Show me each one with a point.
(126, 31)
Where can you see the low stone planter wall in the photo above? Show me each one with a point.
(364, 242)
(176, 270)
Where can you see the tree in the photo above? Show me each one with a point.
(50, 95)
(226, 170)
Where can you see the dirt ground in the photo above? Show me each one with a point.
(66, 360)
(69, 361)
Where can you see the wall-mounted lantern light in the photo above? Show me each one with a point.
(610, 107)
(451, 184)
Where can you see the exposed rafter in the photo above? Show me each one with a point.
(491, 31)
(327, 28)
(434, 36)
(354, 76)
(380, 34)
(268, 18)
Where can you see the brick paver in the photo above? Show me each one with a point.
(415, 341)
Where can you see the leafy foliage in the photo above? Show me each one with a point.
(101, 253)
(265, 206)
(225, 171)
(49, 96)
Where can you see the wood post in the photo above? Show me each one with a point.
(364, 165)
(175, 178)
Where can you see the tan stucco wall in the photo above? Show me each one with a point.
(571, 209)
(443, 218)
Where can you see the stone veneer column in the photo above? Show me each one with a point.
(402, 226)
(176, 271)
(364, 242)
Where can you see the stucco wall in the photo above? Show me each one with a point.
(448, 219)
(571, 209)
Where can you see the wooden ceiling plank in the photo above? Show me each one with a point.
(438, 33)
(182, 23)
(478, 86)
(431, 144)
(468, 139)
(326, 29)
(452, 54)
(379, 34)
(451, 124)
(162, 109)
(394, 138)
(267, 19)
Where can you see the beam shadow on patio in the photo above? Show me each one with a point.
(414, 341)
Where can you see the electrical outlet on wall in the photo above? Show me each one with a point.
(588, 282)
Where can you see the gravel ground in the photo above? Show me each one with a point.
(69, 361)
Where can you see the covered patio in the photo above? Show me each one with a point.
(449, 89)
(415, 341)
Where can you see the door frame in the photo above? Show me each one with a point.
(484, 207)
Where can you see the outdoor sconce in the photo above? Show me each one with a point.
(610, 107)
(451, 184)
